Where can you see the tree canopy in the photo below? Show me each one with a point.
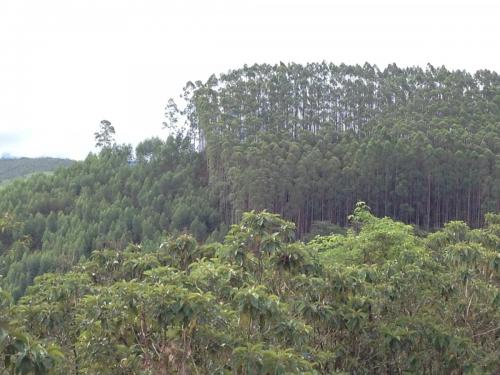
(308, 141)
(105, 136)
(377, 300)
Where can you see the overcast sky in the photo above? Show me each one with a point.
(65, 65)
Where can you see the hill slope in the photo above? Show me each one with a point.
(12, 168)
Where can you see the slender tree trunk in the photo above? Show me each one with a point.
(468, 205)
(428, 215)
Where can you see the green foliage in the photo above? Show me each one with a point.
(376, 300)
(308, 141)
(105, 137)
(255, 360)
(19, 352)
(182, 250)
(323, 228)
(102, 202)
(305, 141)
(124, 289)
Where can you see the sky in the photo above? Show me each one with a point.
(65, 65)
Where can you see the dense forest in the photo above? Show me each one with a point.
(236, 244)
(309, 141)
(11, 168)
(52, 221)
(377, 300)
(306, 142)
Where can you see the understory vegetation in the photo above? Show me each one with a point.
(377, 300)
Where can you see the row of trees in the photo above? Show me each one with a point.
(378, 300)
(308, 141)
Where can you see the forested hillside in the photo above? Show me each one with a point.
(11, 168)
(378, 300)
(52, 221)
(306, 142)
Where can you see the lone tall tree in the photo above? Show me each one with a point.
(105, 137)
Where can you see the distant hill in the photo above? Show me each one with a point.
(11, 168)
